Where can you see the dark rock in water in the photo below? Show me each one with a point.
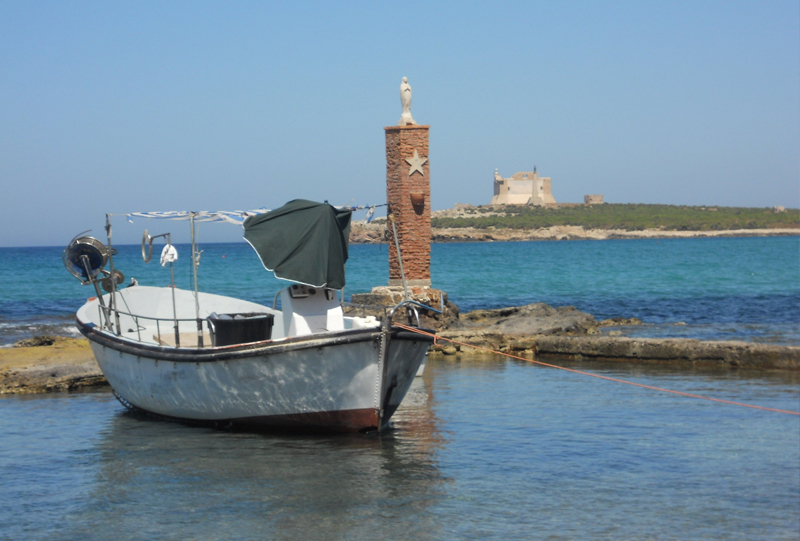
(515, 329)
(538, 318)
(620, 322)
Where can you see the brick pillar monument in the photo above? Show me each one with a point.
(408, 194)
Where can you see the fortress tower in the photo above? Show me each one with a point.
(523, 188)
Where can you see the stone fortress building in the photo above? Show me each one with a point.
(523, 188)
(528, 188)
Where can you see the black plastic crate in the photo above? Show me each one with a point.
(231, 329)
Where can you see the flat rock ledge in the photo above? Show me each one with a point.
(569, 334)
(49, 364)
(604, 348)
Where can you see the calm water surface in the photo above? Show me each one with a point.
(483, 448)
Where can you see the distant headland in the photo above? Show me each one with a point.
(603, 221)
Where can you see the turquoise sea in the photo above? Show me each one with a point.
(482, 447)
(721, 288)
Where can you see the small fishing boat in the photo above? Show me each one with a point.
(208, 358)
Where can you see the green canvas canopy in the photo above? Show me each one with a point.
(303, 241)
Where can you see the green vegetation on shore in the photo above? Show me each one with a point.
(626, 217)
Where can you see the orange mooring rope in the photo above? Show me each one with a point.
(437, 338)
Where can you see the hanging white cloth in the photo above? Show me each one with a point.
(168, 255)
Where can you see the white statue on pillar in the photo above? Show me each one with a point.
(405, 99)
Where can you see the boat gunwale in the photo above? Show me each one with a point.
(243, 351)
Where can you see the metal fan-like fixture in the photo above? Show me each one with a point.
(85, 258)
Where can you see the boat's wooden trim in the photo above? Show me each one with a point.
(240, 351)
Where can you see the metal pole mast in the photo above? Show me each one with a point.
(196, 297)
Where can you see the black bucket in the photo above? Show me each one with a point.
(231, 329)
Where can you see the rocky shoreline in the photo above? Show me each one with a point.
(49, 364)
(374, 233)
(568, 334)
(733, 354)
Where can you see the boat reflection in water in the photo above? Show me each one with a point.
(225, 485)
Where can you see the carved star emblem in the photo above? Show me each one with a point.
(416, 164)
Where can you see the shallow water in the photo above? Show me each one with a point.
(482, 448)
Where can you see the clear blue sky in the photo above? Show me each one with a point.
(129, 106)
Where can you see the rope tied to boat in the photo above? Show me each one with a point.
(437, 337)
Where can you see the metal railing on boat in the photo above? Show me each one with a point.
(196, 337)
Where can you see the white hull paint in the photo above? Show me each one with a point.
(299, 383)
(327, 379)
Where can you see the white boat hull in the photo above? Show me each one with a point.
(332, 381)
